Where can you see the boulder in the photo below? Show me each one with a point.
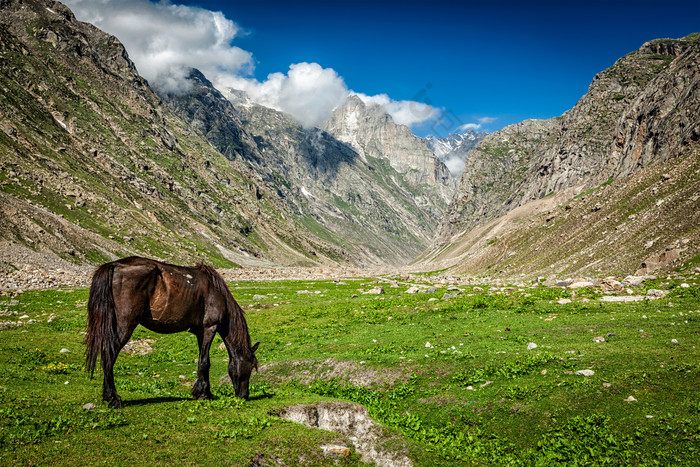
(637, 280)
(656, 293)
(378, 290)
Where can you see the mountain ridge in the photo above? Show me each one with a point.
(637, 116)
(358, 201)
(94, 167)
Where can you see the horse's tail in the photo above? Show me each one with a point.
(237, 323)
(101, 336)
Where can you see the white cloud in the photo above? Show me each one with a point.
(407, 113)
(476, 126)
(469, 126)
(486, 120)
(165, 40)
(308, 91)
(455, 165)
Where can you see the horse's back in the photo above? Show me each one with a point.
(162, 297)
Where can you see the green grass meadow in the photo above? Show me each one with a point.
(451, 380)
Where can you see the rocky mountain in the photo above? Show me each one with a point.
(372, 133)
(453, 150)
(94, 166)
(378, 204)
(582, 148)
(622, 166)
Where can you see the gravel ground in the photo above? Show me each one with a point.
(25, 269)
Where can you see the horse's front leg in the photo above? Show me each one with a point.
(202, 388)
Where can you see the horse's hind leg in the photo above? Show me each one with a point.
(109, 390)
(202, 388)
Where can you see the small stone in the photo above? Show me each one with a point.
(610, 334)
(656, 293)
(684, 285)
(646, 335)
(543, 372)
(650, 416)
(607, 385)
(89, 406)
(354, 295)
(531, 346)
(446, 296)
(260, 297)
(470, 388)
(674, 341)
(585, 372)
(413, 289)
(630, 399)
(379, 290)
(599, 339)
(335, 451)
(64, 350)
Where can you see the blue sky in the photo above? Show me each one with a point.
(480, 63)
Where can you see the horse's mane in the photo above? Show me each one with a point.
(238, 326)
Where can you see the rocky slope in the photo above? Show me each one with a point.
(453, 150)
(378, 205)
(622, 166)
(94, 166)
(584, 147)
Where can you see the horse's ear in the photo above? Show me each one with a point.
(255, 347)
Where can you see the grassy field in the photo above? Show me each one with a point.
(450, 380)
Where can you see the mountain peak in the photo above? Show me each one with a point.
(453, 150)
(371, 131)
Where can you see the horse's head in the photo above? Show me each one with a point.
(244, 366)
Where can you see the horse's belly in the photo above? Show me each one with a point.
(164, 327)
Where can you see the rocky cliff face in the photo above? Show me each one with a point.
(359, 202)
(371, 132)
(94, 166)
(637, 112)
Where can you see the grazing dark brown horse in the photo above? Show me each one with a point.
(165, 299)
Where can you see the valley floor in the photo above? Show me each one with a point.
(426, 373)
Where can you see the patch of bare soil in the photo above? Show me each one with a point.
(264, 460)
(350, 372)
(353, 421)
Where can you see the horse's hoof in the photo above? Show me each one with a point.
(115, 403)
